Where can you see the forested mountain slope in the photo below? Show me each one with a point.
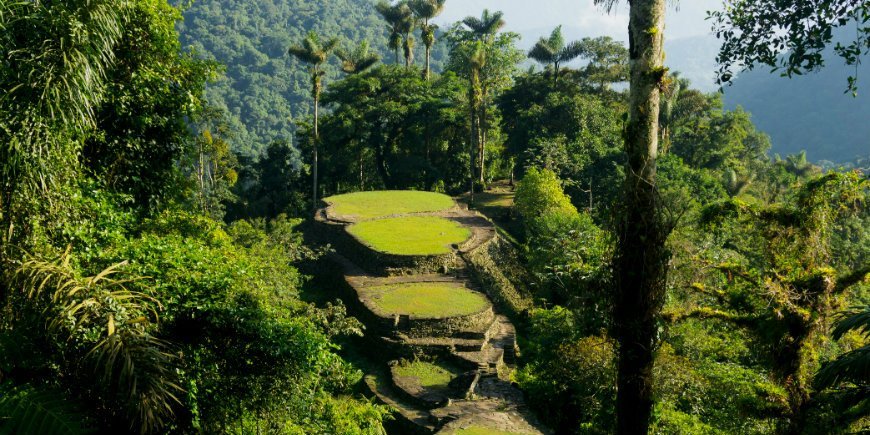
(264, 90)
(809, 112)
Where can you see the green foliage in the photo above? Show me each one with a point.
(111, 330)
(554, 51)
(853, 366)
(265, 89)
(540, 193)
(569, 378)
(25, 409)
(390, 128)
(570, 256)
(576, 135)
(153, 89)
(230, 302)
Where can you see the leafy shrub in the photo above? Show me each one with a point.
(570, 379)
(539, 193)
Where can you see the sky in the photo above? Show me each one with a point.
(534, 16)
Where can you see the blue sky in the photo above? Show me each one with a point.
(532, 16)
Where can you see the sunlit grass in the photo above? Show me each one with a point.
(369, 205)
(479, 430)
(430, 375)
(425, 300)
(410, 235)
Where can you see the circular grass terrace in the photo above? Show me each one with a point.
(410, 235)
(429, 375)
(435, 300)
(480, 430)
(382, 203)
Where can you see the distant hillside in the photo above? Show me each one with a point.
(265, 90)
(809, 112)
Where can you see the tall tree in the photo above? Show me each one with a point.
(314, 52)
(400, 24)
(426, 10)
(554, 51)
(641, 257)
(608, 61)
(484, 29)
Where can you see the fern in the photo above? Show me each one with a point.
(28, 410)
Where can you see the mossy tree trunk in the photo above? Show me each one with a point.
(641, 260)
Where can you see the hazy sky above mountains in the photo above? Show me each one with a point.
(528, 16)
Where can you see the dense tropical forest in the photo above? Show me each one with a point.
(309, 217)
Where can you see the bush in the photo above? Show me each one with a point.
(570, 379)
(539, 193)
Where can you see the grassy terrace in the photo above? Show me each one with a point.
(479, 430)
(425, 300)
(430, 375)
(371, 205)
(411, 235)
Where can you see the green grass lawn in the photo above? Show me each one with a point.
(425, 300)
(369, 205)
(479, 430)
(410, 235)
(430, 375)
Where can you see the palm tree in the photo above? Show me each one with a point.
(487, 26)
(641, 260)
(476, 63)
(357, 60)
(314, 52)
(426, 10)
(400, 24)
(553, 51)
(484, 30)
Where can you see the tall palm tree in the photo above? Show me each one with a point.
(640, 263)
(314, 52)
(553, 51)
(484, 30)
(400, 24)
(358, 60)
(426, 10)
(476, 63)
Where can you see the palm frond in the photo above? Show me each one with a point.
(28, 410)
(542, 52)
(853, 366)
(132, 362)
(571, 51)
(854, 320)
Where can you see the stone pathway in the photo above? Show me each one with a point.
(483, 344)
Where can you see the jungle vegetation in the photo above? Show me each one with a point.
(154, 263)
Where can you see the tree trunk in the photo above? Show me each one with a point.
(472, 149)
(482, 147)
(641, 260)
(362, 183)
(314, 157)
(428, 57)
